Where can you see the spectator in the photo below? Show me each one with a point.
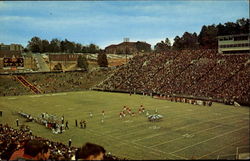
(33, 150)
(67, 125)
(90, 151)
(70, 142)
(17, 122)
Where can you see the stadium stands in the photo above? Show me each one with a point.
(13, 139)
(50, 82)
(9, 86)
(201, 73)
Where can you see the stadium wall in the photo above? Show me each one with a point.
(157, 94)
(36, 72)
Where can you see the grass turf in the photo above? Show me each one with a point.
(186, 131)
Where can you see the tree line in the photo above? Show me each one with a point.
(207, 37)
(37, 45)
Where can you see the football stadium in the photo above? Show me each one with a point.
(60, 100)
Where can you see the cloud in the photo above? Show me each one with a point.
(1, 4)
(100, 21)
(15, 18)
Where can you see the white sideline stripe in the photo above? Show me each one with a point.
(12, 98)
(36, 96)
(59, 94)
(210, 139)
(197, 132)
(222, 148)
(151, 136)
(54, 94)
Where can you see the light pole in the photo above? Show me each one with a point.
(126, 40)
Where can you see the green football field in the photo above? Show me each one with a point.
(186, 131)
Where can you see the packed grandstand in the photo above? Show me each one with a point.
(188, 73)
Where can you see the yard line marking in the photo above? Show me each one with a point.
(175, 118)
(138, 145)
(209, 139)
(111, 137)
(159, 150)
(181, 157)
(119, 129)
(183, 127)
(120, 141)
(222, 148)
(162, 132)
(197, 132)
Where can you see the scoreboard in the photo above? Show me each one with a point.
(13, 62)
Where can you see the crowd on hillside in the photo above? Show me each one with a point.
(12, 140)
(10, 87)
(68, 81)
(202, 73)
(52, 82)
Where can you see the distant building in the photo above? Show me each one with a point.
(4, 47)
(8, 51)
(234, 44)
(128, 48)
(16, 47)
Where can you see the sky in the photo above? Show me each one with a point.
(107, 22)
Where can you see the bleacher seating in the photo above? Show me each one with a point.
(202, 73)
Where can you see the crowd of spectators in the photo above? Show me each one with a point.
(200, 73)
(10, 87)
(12, 140)
(51, 82)
(67, 81)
